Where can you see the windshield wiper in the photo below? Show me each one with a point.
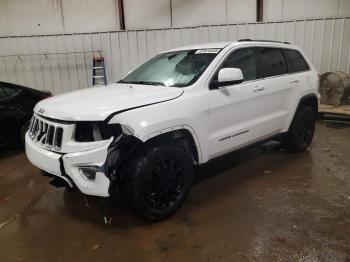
(150, 83)
(142, 82)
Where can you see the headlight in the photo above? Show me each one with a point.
(95, 131)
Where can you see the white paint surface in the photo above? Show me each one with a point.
(301, 9)
(147, 14)
(90, 15)
(325, 41)
(29, 17)
(241, 11)
(198, 12)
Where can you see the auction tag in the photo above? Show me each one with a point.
(208, 51)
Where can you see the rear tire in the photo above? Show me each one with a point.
(301, 131)
(157, 181)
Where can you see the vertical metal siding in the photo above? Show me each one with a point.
(62, 63)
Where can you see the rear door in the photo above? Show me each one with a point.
(298, 68)
(278, 85)
(302, 80)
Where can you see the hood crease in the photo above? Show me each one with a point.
(102, 103)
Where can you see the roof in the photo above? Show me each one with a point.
(202, 46)
(239, 42)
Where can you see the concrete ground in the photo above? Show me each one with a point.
(260, 205)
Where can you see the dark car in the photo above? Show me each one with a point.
(16, 109)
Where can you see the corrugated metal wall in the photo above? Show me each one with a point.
(61, 63)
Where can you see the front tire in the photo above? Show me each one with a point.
(301, 131)
(157, 181)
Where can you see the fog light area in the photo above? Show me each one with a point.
(88, 173)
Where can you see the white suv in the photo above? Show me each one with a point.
(143, 136)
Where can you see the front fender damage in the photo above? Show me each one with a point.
(108, 161)
(105, 163)
(117, 154)
(74, 163)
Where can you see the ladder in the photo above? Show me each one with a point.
(98, 71)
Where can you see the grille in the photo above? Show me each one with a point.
(45, 133)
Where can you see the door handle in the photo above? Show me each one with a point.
(294, 81)
(258, 88)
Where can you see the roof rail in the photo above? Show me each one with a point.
(270, 41)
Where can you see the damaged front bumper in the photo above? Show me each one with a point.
(69, 166)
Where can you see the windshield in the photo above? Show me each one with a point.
(179, 69)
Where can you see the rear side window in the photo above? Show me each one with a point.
(243, 59)
(296, 61)
(271, 62)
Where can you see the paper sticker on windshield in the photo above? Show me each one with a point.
(208, 51)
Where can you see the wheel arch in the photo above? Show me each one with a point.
(309, 100)
(182, 134)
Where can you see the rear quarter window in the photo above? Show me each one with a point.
(296, 61)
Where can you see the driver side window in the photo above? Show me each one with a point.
(243, 59)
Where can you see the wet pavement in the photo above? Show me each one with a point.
(260, 205)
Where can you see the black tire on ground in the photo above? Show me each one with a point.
(22, 132)
(301, 131)
(157, 180)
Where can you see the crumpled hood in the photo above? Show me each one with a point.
(97, 103)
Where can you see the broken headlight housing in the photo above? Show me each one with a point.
(90, 131)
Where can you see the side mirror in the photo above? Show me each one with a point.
(227, 76)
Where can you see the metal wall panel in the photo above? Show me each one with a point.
(62, 63)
